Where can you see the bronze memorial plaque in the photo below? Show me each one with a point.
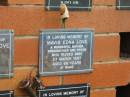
(65, 51)
(6, 53)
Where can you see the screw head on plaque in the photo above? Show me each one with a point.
(66, 51)
(6, 53)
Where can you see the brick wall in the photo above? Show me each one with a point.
(27, 17)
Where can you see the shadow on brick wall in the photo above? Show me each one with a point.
(125, 44)
(123, 91)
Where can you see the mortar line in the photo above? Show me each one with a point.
(103, 88)
(43, 5)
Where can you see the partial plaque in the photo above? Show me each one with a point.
(65, 51)
(71, 4)
(7, 93)
(6, 53)
(123, 4)
(80, 90)
(4, 2)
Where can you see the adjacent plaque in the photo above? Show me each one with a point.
(81, 90)
(71, 4)
(123, 4)
(6, 53)
(7, 93)
(3, 2)
(65, 51)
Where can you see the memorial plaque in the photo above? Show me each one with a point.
(71, 4)
(6, 93)
(6, 53)
(65, 51)
(3, 2)
(123, 4)
(80, 90)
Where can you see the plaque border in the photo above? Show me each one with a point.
(120, 7)
(10, 65)
(48, 7)
(50, 31)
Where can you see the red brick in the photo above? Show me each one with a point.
(106, 47)
(13, 83)
(95, 2)
(104, 93)
(20, 74)
(102, 19)
(22, 19)
(25, 1)
(51, 80)
(104, 75)
(104, 2)
(26, 51)
(29, 20)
